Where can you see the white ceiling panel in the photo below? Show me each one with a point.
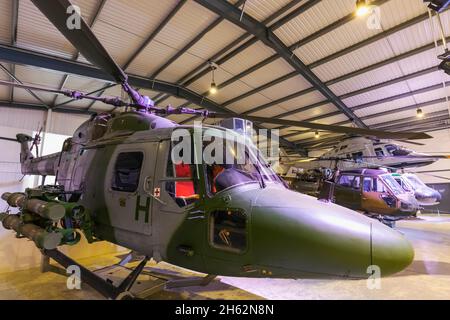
(303, 101)
(185, 25)
(405, 114)
(248, 103)
(382, 107)
(35, 31)
(261, 9)
(368, 79)
(233, 90)
(129, 15)
(322, 14)
(219, 37)
(267, 73)
(417, 35)
(325, 109)
(286, 87)
(395, 12)
(432, 95)
(427, 80)
(355, 60)
(180, 67)
(247, 58)
(5, 21)
(119, 50)
(378, 94)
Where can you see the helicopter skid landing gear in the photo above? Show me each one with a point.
(124, 290)
(105, 287)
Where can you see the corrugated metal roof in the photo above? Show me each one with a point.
(5, 21)
(314, 19)
(261, 9)
(37, 33)
(407, 114)
(267, 73)
(4, 90)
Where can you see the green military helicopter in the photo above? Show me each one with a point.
(117, 181)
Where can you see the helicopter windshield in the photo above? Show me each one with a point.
(396, 150)
(392, 184)
(240, 163)
(415, 181)
(403, 183)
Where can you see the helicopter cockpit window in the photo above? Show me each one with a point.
(242, 166)
(126, 171)
(346, 181)
(379, 152)
(367, 184)
(182, 188)
(392, 183)
(228, 230)
(373, 185)
(357, 183)
(395, 150)
(358, 157)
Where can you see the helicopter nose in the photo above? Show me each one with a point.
(314, 239)
(390, 251)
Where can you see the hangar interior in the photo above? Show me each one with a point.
(322, 63)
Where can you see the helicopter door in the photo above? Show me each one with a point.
(374, 195)
(130, 177)
(348, 191)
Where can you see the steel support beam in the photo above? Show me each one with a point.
(219, 57)
(77, 54)
(267, 36)
(191, 43)
(14, 24)
(308, 39)
(345, 77)
(409, 119)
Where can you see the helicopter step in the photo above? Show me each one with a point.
(119, 282)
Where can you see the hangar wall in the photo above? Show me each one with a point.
(22, 254)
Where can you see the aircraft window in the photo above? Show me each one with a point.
(378, 186)
(403, 184)
(379, 152)
(397, 150)
(126, 171)
(357, 183)
(393, 185)
(367, 185)
(358, 157)
(244, 168)
(229, 230)
(184, 189)
(346, 181)
(415, 181)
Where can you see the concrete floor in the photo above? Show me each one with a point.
(428, 277)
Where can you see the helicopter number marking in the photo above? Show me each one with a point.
(139, 208)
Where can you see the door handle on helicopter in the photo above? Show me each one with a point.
(147, 190)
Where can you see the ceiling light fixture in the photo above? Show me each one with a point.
(419, 113)
(213, 88)
(362, 8)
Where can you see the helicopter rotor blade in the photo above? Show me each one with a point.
(334, 128)
(83, 39)
(412, 142)
(8, 139)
